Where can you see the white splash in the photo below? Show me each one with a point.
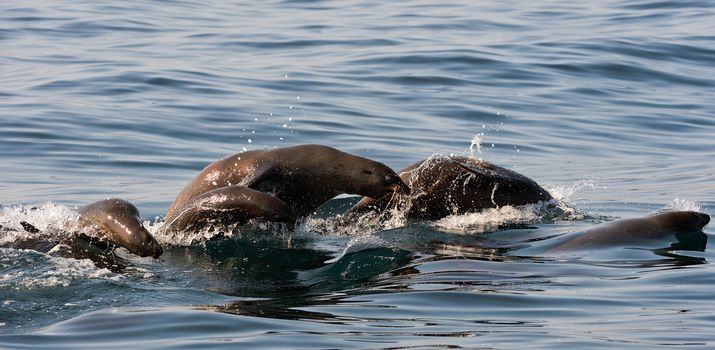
(492, 218)
(569, 194)
(52, 272)
(49, 218)
(193, 237)
(682, 204)
(488, 219)
(476, 143)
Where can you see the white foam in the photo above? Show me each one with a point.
(353, 225)
(50, 219)
(313, 227)
(488, 219)
(184, 238)
(49, 272)
(569, 194)
(680, 204)
(193, 237)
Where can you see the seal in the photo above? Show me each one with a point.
(228, 205)
(101, 227)
(302, 177)
(76, 245)
(632, 231)
(453, 185)
(119, 221)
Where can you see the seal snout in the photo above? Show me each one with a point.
(156, 249)
(704, 219)
(395, 184)
(149, 247)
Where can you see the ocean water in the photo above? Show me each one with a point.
(609, 105)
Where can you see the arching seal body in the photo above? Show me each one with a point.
(632, 231)
(303, 177)
(453, 185)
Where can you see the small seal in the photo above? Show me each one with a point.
(119, 221)
(302, 177)
(101, 227)
(632, 231)
(453, 185)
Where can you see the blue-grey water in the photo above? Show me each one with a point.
(610, 105)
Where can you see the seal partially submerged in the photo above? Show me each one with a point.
(632, 231)
(102, 226)
(277, 184)
(453, 185)
(119, 221)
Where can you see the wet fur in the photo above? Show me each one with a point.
(304, 177)
(443, 186)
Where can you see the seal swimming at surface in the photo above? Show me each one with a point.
(119, 221)
(453, 185)
(302, 177)
(101, 227)
(632, 231)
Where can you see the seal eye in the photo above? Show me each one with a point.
(369, 172)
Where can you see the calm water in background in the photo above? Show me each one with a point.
(611, 106)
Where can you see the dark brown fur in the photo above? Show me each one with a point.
(119, 221)
(229, 205)
(633, 231)
(304, 177)
(443, 186)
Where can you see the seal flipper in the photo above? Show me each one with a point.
(229, 205)
(119, 221)
(28, 227)
(268, 179)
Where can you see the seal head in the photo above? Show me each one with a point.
(119, 221)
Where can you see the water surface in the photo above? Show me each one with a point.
(608, 105)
